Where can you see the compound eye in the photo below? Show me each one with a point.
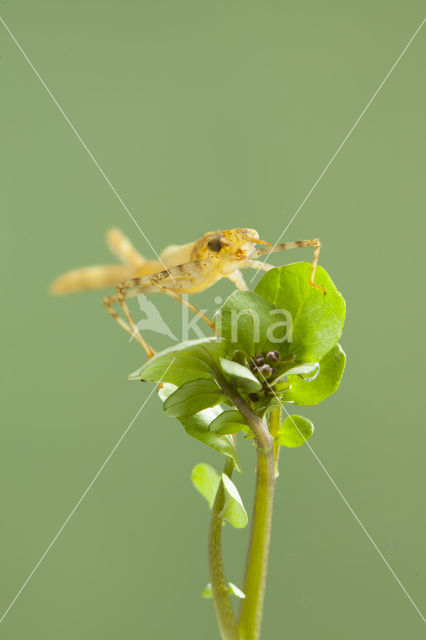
(215, 244)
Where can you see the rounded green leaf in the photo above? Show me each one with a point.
(192, 397)
(241, 375)
(190, 360)
(233, 510)
(317, 319)
(294, 432)
(327, 382)
(197, 426)
(247, 322)
(206, 480)
(310, 370)
(224, 444)
(227, 422)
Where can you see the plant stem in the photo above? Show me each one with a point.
(274, 428)
(257, 557)
(222, 602)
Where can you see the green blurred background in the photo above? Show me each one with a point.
(208, 115)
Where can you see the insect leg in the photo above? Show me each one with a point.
(315, 243)
(130, 327)
(134, 331)
(237, 278)
(175, 296)
(257, 264)
(187, 277)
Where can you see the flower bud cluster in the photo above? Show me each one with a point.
(263, 366)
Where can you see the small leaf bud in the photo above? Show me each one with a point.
(239, 357)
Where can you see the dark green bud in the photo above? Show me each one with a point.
(273, 357)
(265, 371)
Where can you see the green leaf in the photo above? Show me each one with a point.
(192, 397)
(232, 589)
(223, 444)
(206, 480)
(233, 510)
(190, 360)
(227, 422)
(207, 591)
(317, 318)
(235, 591)
(327, 382)
(294, 432)
(242, 376)
(309, 369)
(244, 321)
(265, 405)
(198, 424)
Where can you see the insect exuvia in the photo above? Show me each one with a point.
(188, 268)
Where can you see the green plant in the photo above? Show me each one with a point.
(242, 382)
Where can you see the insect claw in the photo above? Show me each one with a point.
(318, 286)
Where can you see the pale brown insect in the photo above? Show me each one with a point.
(183, 269)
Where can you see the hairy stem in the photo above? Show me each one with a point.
(274, 428)
(224, 612)
(257, 557)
